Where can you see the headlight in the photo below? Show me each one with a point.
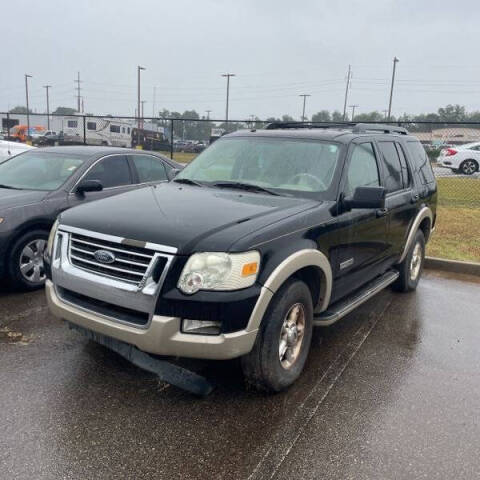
(219, 271)
(51, 238)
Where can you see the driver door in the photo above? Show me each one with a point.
(115, 174)
(362, 232)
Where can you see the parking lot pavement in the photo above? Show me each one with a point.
(390, 392)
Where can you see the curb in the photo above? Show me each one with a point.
(456, 266)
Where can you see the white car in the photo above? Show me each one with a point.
(461, 159)
(9, 149)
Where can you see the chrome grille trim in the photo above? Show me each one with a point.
(109, 267)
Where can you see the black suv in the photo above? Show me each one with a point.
(265, 235)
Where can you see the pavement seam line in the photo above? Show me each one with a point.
(357, 344)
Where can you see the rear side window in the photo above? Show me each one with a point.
(420, 161)
(111, 171)
(392, 168)
(405, 170)
(363, 169)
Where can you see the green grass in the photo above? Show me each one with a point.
(181, 157)
(459, 192)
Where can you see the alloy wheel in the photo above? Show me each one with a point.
(31, 263)
(291, 335)
(469, 167)
(416, 262)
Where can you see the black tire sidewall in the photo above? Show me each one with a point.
(273, 376)
(13, 265)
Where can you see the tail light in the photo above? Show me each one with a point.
(450, 152)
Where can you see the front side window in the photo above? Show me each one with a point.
(290, 166)
(362, 169)
(149, 168)
(391, 166)
(34, 170)
(111, 171)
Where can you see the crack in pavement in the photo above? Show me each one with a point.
(279, 448)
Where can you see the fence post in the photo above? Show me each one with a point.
(171, 138)
(84, 130)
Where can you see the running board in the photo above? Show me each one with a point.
(341, 308)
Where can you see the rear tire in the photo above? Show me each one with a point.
(412, 266)
(26, 268)
(469, 167)
(283, 340)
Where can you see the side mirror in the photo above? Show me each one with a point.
(89, 186)
(172, 173)
(366, 197)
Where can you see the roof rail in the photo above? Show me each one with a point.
(378, 127)
(354, 127)
(280, 125)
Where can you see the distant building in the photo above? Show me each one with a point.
(450, 135)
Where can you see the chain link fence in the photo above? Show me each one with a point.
(452, 148)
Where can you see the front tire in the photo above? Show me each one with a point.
(26, 268)
(283, 340)
(412, 266)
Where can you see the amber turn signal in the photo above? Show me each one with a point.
(249, 269)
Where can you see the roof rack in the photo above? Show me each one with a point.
(354, 127)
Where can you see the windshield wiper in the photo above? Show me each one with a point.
(188, 181)
(8, 186)
(244, 186)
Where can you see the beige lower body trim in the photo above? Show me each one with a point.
(425, 212)
(162, 337)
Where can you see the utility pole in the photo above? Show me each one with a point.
(347, 88)
(153, 103)
(78, 82)
(143, 102)
(227, 75)
(304, 95)
(46, 87)
(139, 123)
(28, 110)
(395, 61)
(353, 107)
(385, 114)
(208, 114)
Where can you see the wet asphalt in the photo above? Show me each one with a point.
(390, 392)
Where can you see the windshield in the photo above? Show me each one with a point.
(34, 170)
(290, 166)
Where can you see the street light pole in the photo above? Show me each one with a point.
(139, 124)
(46, 87)
(227, 75)
(353, 107)
(349, 76)
(395, 61)
(304, 95)
(28, 111)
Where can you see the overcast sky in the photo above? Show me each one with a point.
(278, 49)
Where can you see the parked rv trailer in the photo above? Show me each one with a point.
(98, 131)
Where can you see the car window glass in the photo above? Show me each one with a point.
(391, 166)
(362, 169)
(111, 171)
(149, 168)
(406, 177)
(421, 161)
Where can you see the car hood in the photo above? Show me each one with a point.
(183, 216)
(19, 198)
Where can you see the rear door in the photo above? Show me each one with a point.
(401, 200)
(362, 232)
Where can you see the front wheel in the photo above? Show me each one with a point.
(26, 267)
(412, 266)
(283, 341)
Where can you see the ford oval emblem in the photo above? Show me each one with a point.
(104, 256)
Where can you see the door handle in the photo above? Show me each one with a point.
(381, 212)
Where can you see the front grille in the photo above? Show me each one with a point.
(130, 265)
(103, 308)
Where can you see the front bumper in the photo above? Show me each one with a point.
(161, 337)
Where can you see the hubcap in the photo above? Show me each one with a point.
(31, 261)
(469, 167)
(291, 335)
(416, 262)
